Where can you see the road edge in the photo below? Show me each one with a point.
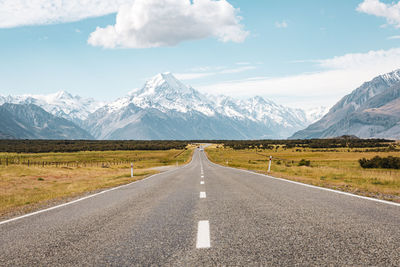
(93, 195)
(308, 185)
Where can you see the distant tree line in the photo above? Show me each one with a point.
(383, 163)
(310, 143)
(45, 146)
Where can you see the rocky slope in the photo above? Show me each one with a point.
(372, 110)
(29, 121)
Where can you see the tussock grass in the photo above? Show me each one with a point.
(24, 188)
(337, 170)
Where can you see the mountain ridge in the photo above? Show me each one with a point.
(243, 119)
(28, 121)
(371, 110)
(167, 101)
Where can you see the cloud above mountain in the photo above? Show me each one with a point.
(377, 8)
(336, 77)
(156, 23)
(15, 13)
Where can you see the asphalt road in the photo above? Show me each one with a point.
(227, 217)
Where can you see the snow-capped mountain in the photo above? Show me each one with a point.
(165, 108)
(61, 104)
(28, 121)
(314, 114)
(370, 111)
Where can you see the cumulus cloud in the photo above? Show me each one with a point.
(338, 76)
(377, 8)
(155, 23)
(14, 13)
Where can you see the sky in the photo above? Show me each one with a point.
(303, 54)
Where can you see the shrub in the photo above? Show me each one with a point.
(378, 162)
(304, 162)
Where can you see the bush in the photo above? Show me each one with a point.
(304, 162)
(378, 162)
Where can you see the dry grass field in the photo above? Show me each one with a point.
(337, 170)
(24, 188)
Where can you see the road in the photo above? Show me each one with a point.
(226, 217)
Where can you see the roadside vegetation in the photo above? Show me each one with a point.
(378, 162)
(337, 168)
(44, 146)
(51, 178)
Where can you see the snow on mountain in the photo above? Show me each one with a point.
(29, 121)
(61, 104)
(164, 92)
(165, 108)
(370, 111)
(314, 114)
(164, 95)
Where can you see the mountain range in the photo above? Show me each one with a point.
(165, 108)
(28, 121)
(370, 111)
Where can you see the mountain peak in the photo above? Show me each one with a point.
(62, 94)
(165, 83)
(392, 77)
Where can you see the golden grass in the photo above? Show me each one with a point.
(337, 170)
(24, 188)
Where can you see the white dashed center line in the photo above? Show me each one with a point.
(202, 194)
(203, 235)
(202, 182)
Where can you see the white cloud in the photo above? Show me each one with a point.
(282, 24)
(155, 23)
(375, 7)
(198, 75)
(338, 77)
(237, 70)
(192, 76)
(243, 63)
(14, 13)
(380, 61)
(395, 37)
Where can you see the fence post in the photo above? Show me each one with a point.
(131, 169)
(269, 164)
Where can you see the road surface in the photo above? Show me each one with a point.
(204, 214)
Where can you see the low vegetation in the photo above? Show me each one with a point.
(44, 146)
(337, 168)
(378, 162)
(26, 187)
(342, 142)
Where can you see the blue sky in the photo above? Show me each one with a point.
(297, 53)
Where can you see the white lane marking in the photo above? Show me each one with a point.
(202, 176)
(90, 196)
(202, 182)
(203, 195)
(313, 186)
(203, 235)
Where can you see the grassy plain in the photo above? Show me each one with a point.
(332, 169)
(24, 188)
